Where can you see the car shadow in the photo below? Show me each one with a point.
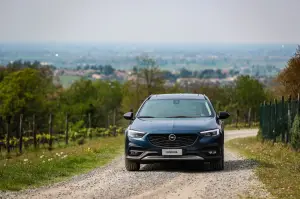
(198, 167)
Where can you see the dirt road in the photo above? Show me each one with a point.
(159, 181)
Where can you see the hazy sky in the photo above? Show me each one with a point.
(243, 21)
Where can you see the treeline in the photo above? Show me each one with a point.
(29, 89)
(100, 69)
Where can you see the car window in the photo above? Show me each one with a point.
(176, 108)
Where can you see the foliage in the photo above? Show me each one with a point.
(249, 92)
(289, 76)
(259, 135)
(295, 133)
(22, 91)
(29, 88)
(81, 141)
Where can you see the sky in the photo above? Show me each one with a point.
(157, 21)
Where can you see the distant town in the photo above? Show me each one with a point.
(182, 64)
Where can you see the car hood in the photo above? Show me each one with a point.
(173, 125)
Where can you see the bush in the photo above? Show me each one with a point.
(259, 135)
(90, 133)
(81, 141)
(77, 126)
(295, 133)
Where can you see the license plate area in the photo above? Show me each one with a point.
(171, 152)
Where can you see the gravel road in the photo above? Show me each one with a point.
(159, 181)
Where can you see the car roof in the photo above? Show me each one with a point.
(178, 96)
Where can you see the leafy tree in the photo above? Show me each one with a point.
(289, 76)
(108, 70)
(168, 75)
(249, 93)
(184, 73)
(23, 91)
(150, 73)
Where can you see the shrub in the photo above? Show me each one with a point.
(77, 126)
(295, 133)
(120, 130)
(259, 135)
(81, 141)
(73, 135)
(90, 133)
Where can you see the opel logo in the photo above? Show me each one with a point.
(172, 137)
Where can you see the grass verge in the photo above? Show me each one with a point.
(240, 126)
(279, 165)
(42, 167)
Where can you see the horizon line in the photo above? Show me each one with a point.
(149, 43)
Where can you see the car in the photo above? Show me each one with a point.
(175, 127)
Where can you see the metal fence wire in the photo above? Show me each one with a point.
(276, 119)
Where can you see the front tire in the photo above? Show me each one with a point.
(218, 165)
(132, 166)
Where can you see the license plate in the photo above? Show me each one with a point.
(171, 151)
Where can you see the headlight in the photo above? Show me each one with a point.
(211, 133)
(135, 134)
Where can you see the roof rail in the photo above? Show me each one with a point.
(205, 97)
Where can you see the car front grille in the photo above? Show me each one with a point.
(162, 140)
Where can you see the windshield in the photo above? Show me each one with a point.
(168, 108)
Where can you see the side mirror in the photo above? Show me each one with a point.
(128, 115)
(223, 115)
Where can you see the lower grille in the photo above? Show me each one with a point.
(182, 140)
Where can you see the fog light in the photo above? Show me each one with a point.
(135, 153)
(212, 152)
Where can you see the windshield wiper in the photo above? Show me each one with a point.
(145, 116)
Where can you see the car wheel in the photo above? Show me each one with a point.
(218, 165)
(132, 166)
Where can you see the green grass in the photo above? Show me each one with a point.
(279, 165)
(42, 167)
(67, 80)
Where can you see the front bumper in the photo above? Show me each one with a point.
(145, 152)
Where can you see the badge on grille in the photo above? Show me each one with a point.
(172, 137)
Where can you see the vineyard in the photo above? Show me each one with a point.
(31, 133)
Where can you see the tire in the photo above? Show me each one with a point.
(218, 165)
(132, 166)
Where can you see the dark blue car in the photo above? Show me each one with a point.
(175, 127)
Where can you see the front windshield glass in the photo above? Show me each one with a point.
(165, 108)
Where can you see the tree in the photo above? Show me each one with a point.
(23, 91)
(149, 80)
(150, 73)
(289, 76)
(184, 73)
(108, 70)
(249, 93)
